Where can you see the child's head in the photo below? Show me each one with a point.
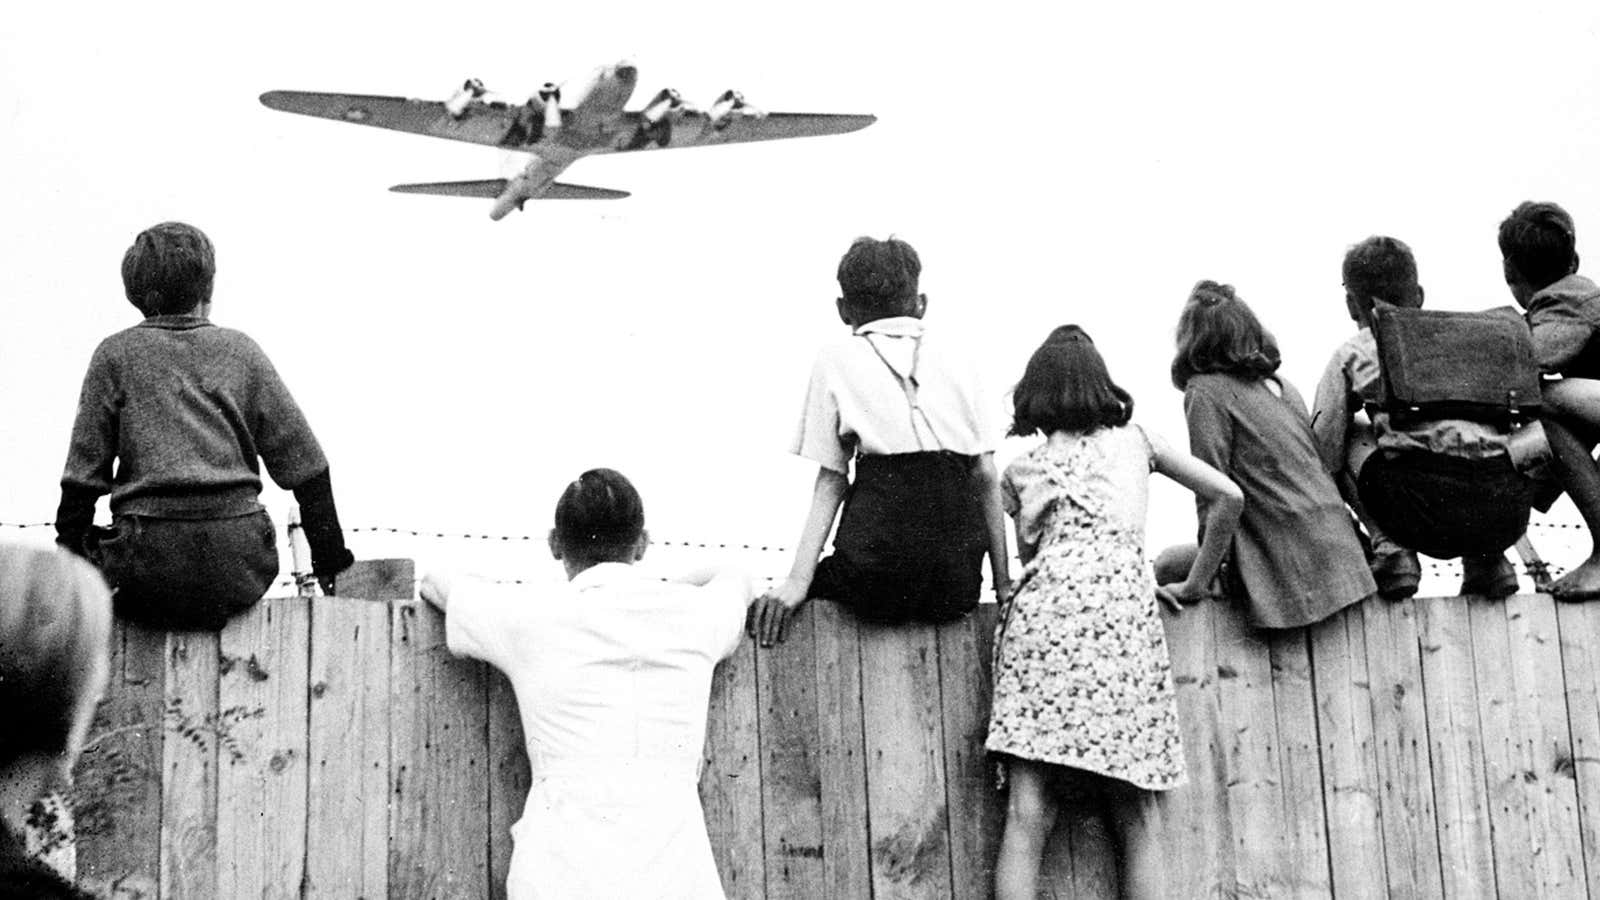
(1217, 333)
(1380, 269)
(878, 279)
(169, 269)
(599, 518)
(55, 640)
(1538, 247)
(1066, 388)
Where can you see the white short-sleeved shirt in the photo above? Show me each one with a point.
(612, 673)
(856, 401)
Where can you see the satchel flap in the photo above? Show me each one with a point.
(1461, 362)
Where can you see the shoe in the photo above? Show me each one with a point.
(1488, 576)
(1397, 574)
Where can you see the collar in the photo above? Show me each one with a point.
(603, 574)
(175, 323)
(893, 326)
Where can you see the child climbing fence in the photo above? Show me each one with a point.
(331, 747)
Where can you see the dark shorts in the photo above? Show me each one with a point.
(186, 574)
(1445, 506)
(911, 540)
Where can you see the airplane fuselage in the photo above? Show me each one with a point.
(588, 109)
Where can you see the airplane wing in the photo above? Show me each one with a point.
(696, 130)
(491, 188)
(485, 123)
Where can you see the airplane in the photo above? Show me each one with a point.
(559, 125)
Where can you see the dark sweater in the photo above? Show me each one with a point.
(187, 411)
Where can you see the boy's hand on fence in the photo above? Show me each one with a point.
(769, 615)
(1179, 594)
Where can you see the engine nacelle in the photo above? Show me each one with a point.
(728, 105)
(470, 90)
(664, 103)
(550, 96)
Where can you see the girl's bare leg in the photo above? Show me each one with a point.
(1031, 811)
(1136, 820)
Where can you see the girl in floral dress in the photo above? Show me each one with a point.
(1082, 681)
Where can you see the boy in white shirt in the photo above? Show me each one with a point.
(612, 676)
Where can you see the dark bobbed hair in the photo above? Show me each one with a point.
(1217, 333)
(55, 637)
(1540, 242)
(1066, 388)
(169, 269)
(879, 278)
(1382, 268)
(599, 517)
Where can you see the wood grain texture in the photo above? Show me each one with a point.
(261, 739)
(348, 815)
(841, 753)
(189, 768)
(1350, 784)
(509, 778)
(975, 817)
(730, 778)
(1579, 625)
(438, 763)
(1196, 817)
(791, 784)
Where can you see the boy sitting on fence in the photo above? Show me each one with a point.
(1445, 487)
(924, 507)
(1538, 251)
(612, 676)
(183, 409)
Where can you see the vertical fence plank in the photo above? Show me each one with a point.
(1466, 847)
(730, 778)
(1350, 783)
(348, 815)
(1545, 744)
(841, 760)
(438, 763)
(509, 778)
(261, 740)
(189, 768)
(964, 686)
(1509, 816)
(791, 788)
(118, 795)
(1199, 830)
(906, 815)
(1580, 660)
(1250, 739)
(1304, 868)
(1400, 730)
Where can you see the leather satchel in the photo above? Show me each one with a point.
(1439, 364)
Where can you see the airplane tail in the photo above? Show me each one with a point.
(491, 188)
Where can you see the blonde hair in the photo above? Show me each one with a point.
(55, 634)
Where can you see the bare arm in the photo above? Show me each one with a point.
(1224, 503)
(771, 612)
(987, 481)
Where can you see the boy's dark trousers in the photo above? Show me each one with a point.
(185, 574)
(911, 539)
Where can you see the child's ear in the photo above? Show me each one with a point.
(921, 305)
(844, 312)
(640, 545)
(555, 544)
(1574, 269)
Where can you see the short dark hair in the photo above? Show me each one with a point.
(169, 269)
(1382, 268)
(1540, 242)
(599, 517)
(55, 631)
(1066, 388)
(879, 278)
(1217, 333)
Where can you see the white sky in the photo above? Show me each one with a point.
(1051, 163)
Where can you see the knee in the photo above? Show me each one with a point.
(1032, 811)
(1173, 564)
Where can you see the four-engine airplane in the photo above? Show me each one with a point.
(560, 125)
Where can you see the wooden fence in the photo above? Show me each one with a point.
(332, 748)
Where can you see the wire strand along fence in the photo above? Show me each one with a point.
(332, 748)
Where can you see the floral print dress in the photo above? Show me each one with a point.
(1081, 672)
